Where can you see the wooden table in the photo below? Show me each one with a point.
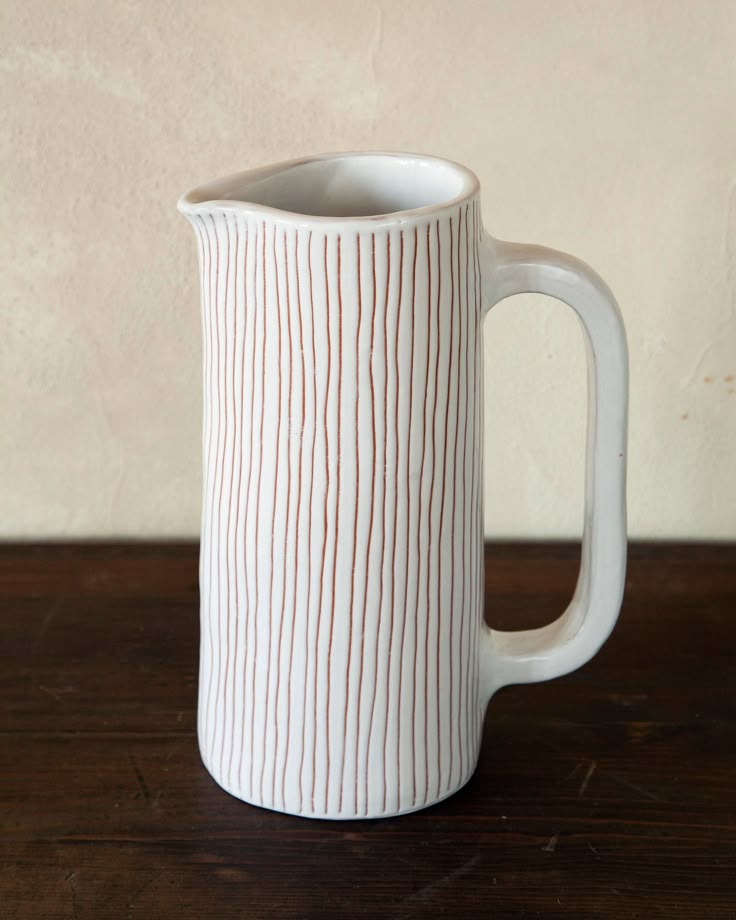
(609, 793)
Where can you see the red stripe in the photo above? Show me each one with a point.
(385, 437)
(251, 317)
(371, 369)
(306, 611)
(309, 527)
(325, 525)
(383, 527)
(337, 508)
(464, 644)
(287, 529)
(392, 608)
(257, 537)
(431, 506)
(472, 581)
(383, 442)
(419, 527)
(473, 639)
(405, 612)
(273, 529)
(478, 502)
(221, 428)
(440, 561)
(324, 545)
(352, 577)
(453, 614)
(384, 509)
(237, 437)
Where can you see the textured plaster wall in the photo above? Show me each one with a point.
(604, 128)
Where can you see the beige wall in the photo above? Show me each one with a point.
(604, 128)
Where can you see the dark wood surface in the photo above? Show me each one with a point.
(608, 793)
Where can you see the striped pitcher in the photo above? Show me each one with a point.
(345, 666)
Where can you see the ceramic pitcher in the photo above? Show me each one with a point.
(345, 665)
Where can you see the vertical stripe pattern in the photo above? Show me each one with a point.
(341, 557)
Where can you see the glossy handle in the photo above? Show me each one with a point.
(570, 641)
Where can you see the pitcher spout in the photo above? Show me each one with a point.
(238, 191)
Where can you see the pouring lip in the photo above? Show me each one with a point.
(212, 196)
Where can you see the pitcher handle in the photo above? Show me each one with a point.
(575, 637)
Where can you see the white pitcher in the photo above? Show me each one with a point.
(345, 664)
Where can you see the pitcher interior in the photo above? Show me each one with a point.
(361, 185)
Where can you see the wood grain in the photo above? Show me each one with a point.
(609, 793)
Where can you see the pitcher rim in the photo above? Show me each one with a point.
(209, 196)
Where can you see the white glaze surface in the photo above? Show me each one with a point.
(345, 666)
